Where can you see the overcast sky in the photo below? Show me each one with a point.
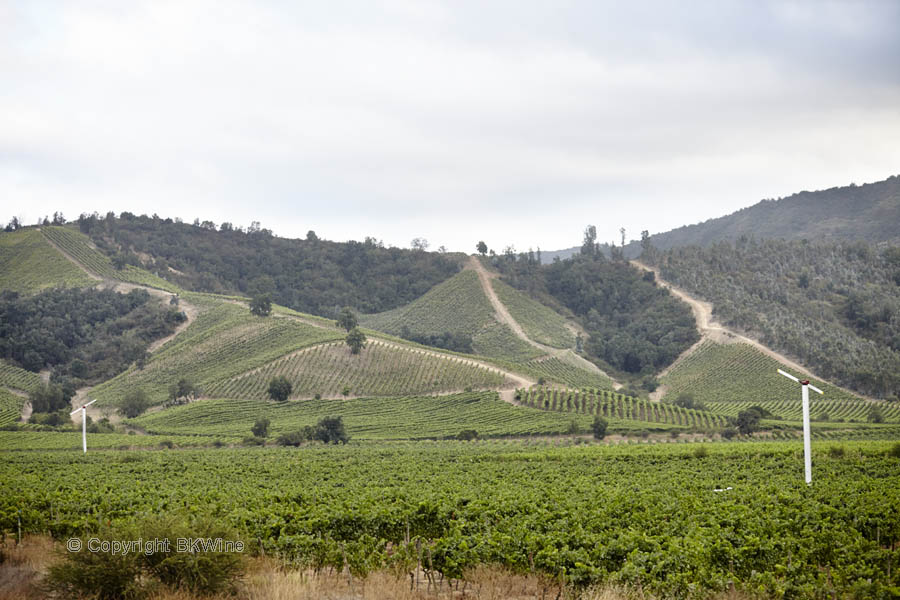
(514, 122)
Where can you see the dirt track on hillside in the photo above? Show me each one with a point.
(711, 330)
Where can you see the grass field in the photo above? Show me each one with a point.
(539, 322)
(380, 369)
(79, 246)
(412, 417)
(28, 264)
(717, 373)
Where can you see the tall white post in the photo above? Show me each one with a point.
(84, 430)
(807, 449)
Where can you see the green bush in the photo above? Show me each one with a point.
(253, 440)
(895, 450)
(467, 435)
(99, 575)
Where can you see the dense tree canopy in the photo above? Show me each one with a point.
(89, 335)
(311, 275)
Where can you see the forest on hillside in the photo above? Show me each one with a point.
(633, 324)
(85, 335)
(310, 275)
(833, 306)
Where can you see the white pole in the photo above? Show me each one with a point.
(807, 450)
(84, 429)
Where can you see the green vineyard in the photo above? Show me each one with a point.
(80, 247)
(562, 371)
(834, 411)
(717, 373)
(29, 264)
(12, 376)
(381, 369)
(539, 322)
(408, 417)
(222, 342)
(606, 403)
(10, 407)
(71, 441)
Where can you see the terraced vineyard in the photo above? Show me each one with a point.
(13, 377)
(10, 407)
(617, 406)
(835, 411)
(381, 369)
(458, 306)
(79, 247)
(717, 373)
(557, 370)
(540, 323)
(222, 342)
(28, 264)
(408, 417)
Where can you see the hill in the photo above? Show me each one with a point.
(832, 306)
(868, 212)
(29, 263)
(311, 275)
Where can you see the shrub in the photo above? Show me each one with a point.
(573, 427)
(895, 450)
(260, 429)
(100, 575)
(134, 403)
(836, 451)
(875, 415)
(729, 432)
(295, 438)
(331, 430)
(467, 435)
(598, 427)
(280, 388)
(167, 444)
(701, 452)
(252, 440)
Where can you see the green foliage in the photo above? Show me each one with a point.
(10, 407)
(49, 398)
(134, 403)
(356, 340)
(184, 388)
(598, 427)
(29, 264)
(729, 433)
(345, 502)
(331, 430)
(261, 306)
(482, 248)
(311, 275)
(875, 415)
(347, 319)
(100, 575)
(279, 388)
(381, 369)
(758, 286)
(685, 400)
(632, 324)
(88, 334)
(261, 427)
(562, 370)
(17, 378)
(748, 421)
(467, 435)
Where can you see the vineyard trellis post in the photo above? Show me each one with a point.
(805, 386)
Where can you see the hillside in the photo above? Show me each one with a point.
(868, 213)
(832, 306)
(29, 263)
(310, 275)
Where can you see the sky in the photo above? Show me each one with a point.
(513, 122)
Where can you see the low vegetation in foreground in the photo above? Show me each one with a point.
(684, 521)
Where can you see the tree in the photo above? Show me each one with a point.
(331, 430)
(134, 403)
(875, 415)
(347, 319)
(260, 427)
(419, 244)
(48, 399)
(599, 427)
(589, 245)
(467, 435)
(356, 339)
(182, 389)
(261, 306)
(280, 388)
(748, 421)
(482, 248)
